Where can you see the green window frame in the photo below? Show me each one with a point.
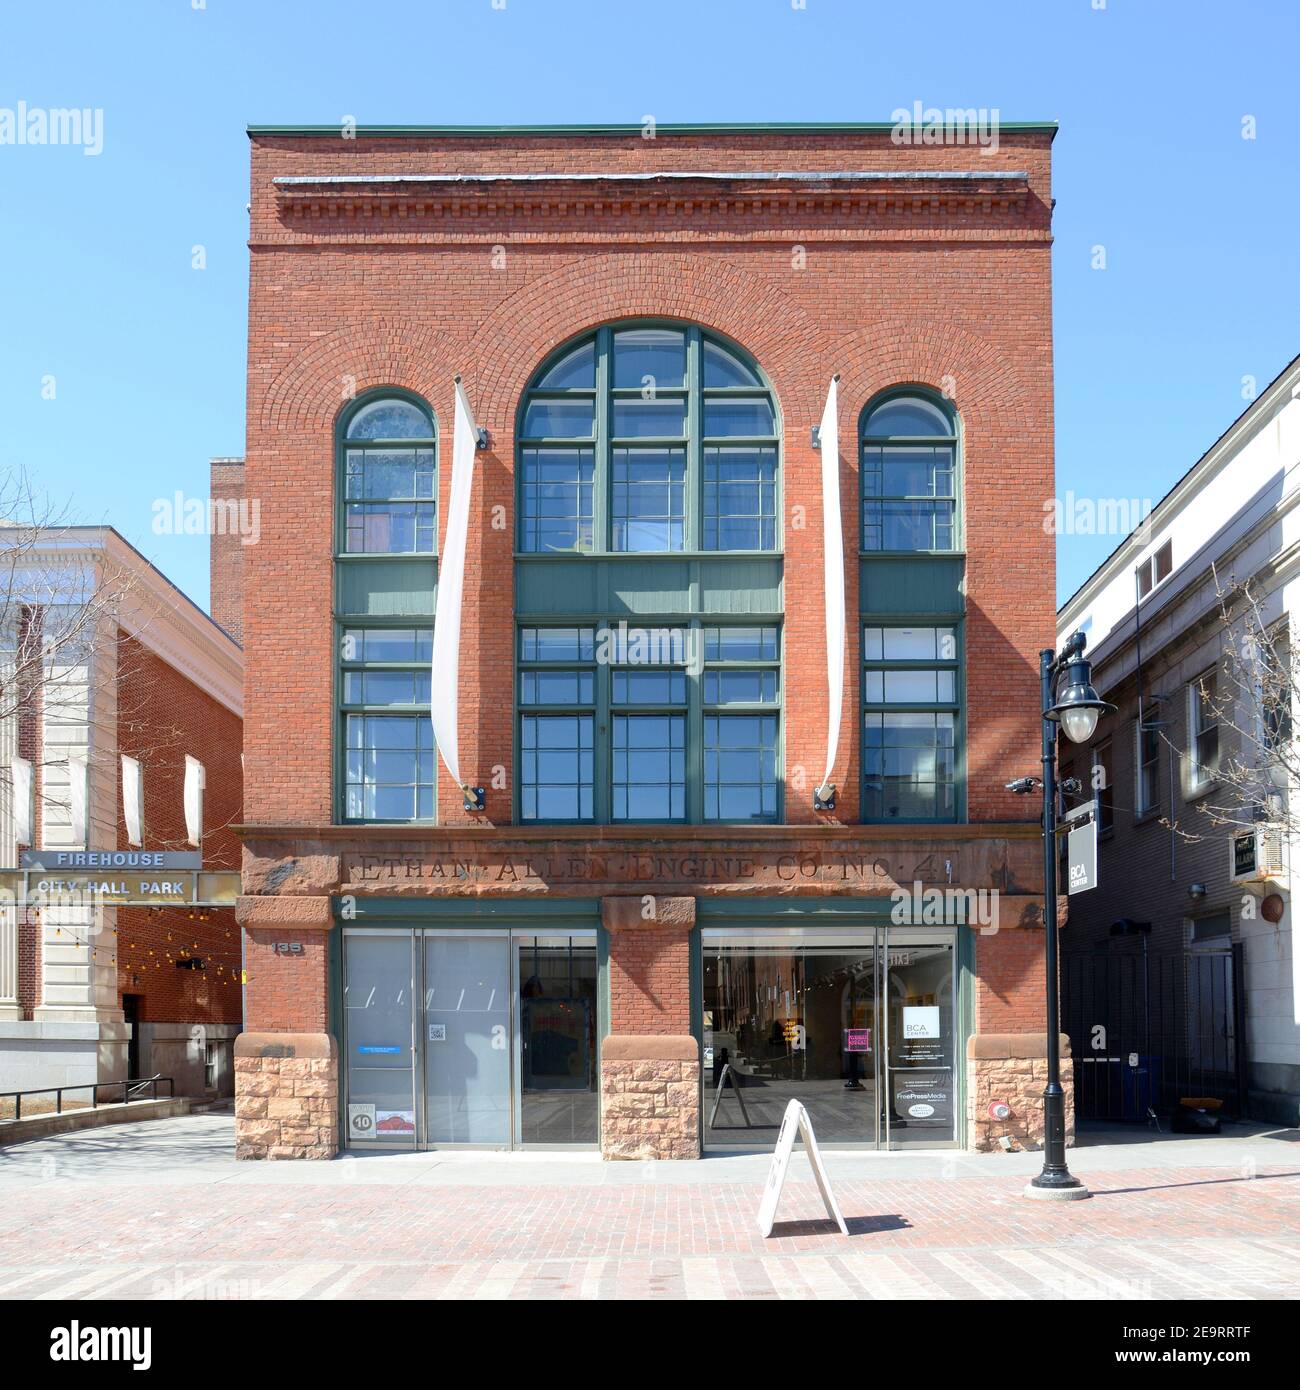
(649, 437)
(387, 476)
(388, 771)
(386, 520)
(913, 703)
(910, 453)
(649, 721)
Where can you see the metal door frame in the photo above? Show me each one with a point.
(919, 935)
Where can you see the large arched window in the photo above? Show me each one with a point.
(909, 474)
(648, 438)
(648, 690)
(388, 491)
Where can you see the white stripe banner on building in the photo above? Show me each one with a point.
(132, 800)
(20, 772)
(195, 780)
(833, 558)
(451, 585)
(78, 799)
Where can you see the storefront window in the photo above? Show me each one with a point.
(859, 1026)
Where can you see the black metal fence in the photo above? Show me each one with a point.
(141, 1088)
(1148, 1029)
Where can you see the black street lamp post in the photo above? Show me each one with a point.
(1076, 709)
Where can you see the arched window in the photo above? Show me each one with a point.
(648, 438)
(389, 478)
(909, 474)
(651, 699)
(388, 491)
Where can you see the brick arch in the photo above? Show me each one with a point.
(894, 352)
(574, 298)
(307, 393)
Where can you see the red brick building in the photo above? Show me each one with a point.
(106, 660)
(650, 922)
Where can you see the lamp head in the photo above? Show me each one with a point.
(1078, 707)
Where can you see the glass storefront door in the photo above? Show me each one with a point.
(377, 1026)
(558, 1098)
(466, 1036)
(920, 1032)
(859, 1025)
(476, 1036)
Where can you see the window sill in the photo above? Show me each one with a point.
(1148, 817)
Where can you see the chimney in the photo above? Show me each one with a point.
(230, 514)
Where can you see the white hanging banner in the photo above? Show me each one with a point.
(132, 800)
(833, 555)
(78, 799)
(196, 779)
(451, 585)
(20, 773)
(795, 1121)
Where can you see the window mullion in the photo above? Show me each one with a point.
(693, 537)
(601, 491)
(695, 727)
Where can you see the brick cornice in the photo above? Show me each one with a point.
(382, 204)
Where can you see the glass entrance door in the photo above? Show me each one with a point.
(920, 1039)
(557, 1098)
(466, 1039)
(377, 1028)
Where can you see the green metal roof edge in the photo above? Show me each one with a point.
(689, 128)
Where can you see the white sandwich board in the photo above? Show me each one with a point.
(795, 1120)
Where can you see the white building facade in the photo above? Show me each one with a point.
(1158, 636)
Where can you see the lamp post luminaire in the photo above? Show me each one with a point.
(1076, 709)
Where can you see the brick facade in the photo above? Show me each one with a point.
(228, 545)
(354, 288)
(162, 717)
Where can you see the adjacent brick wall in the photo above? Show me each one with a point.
(162, 716)
(226, 559)
(287, 992)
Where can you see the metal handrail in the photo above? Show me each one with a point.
(131, 1089)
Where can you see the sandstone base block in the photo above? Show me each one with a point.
(286, 1095)
(1012, 1068)
(650, 1097)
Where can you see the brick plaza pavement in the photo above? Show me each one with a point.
(161, 1210)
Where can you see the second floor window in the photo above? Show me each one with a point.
(911, 717)
(1203, 730)
(1147, 758)
(655, 438)
(640, 724)
(389, 770)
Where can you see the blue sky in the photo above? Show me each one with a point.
(146, 354)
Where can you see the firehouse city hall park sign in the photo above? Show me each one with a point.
(597, 860)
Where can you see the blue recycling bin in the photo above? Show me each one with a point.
(1139, 1088)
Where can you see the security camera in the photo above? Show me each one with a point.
(1022, 786)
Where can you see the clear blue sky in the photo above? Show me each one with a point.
(147, 354)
